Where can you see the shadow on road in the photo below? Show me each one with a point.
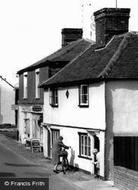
(7, 174)
(21, 165)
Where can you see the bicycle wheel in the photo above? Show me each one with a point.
(64, 165)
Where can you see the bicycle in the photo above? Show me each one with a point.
(64, 162)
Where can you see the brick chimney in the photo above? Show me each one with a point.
(110, 22)
(70, 34)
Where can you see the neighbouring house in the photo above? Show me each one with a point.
(30, 114)
(7, 99)
(93, 102)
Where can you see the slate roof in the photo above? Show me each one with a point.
(65, 54)
(117, 60)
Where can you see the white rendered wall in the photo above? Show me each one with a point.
(7, 99)
(21, 116)
(123, 106)
(71, 138)
(45, 147)
(69, 113)
(21, 123)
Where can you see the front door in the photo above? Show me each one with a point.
(53, 134)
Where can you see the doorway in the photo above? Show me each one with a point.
(96, 143)
(96, 146)
(53, 134)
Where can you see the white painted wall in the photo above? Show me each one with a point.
(7, 99)
(45, 147)
(71, 138)
(123, 106)
(21, 125)
(69, 113)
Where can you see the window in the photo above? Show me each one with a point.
(83, 95)
(25, 85)
(53, 97)
(37, 80)
(84, 146)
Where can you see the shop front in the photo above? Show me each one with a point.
(30, 119)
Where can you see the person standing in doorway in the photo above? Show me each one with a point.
(96, 163)
(57, 152)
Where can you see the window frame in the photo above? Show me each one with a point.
(25, 85)
(84, 146)
(37, 81)
(53, 97)
(83, 96)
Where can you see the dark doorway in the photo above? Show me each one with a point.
(96, 146)
(96, 143)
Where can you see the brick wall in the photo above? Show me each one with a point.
(110, 22)
(125, 179)
(31, 87)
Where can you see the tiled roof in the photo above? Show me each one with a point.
(126, 66)
(65, 54)
(119, 59)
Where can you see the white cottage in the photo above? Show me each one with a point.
(92, 102)
(7, 99)
(79, 116)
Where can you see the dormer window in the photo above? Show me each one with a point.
(37, 80)
(53, 97)
(25, 85)
(83, 96)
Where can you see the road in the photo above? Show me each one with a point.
(14, 165)
(16, 162)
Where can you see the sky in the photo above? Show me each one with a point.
(31, 29)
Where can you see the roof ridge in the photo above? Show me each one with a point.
(65, 66)
(115, 56)
(67, 49)
(48, 58)
(73, 43)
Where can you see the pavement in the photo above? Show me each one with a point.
(72, 180)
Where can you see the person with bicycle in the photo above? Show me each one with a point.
(57, 152)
